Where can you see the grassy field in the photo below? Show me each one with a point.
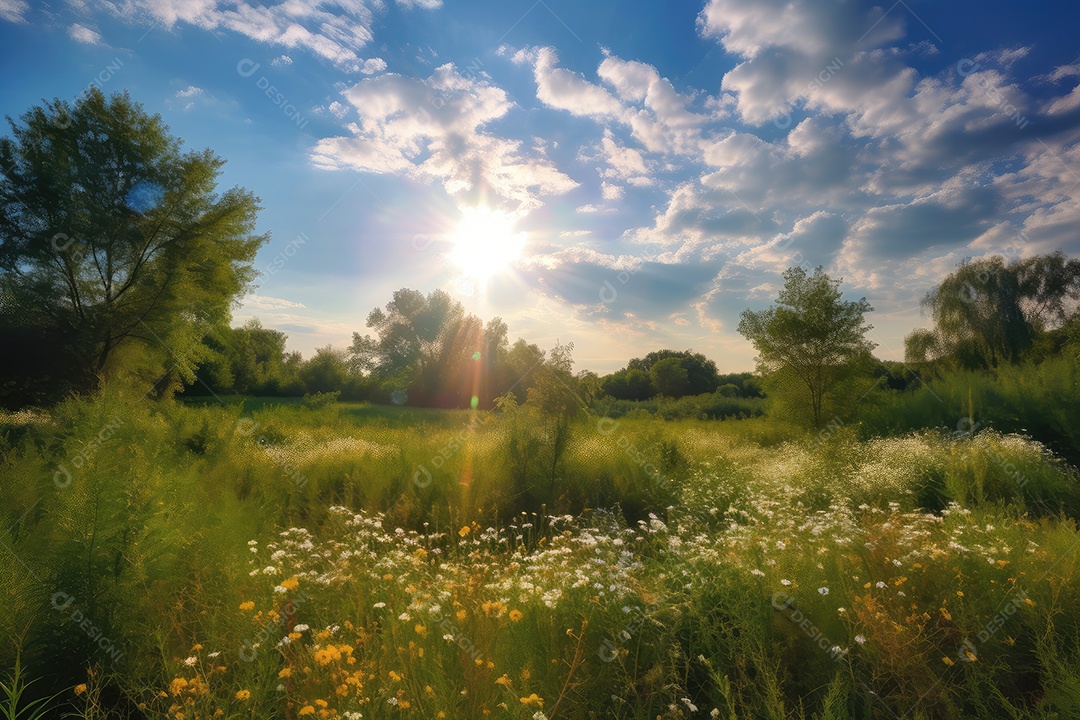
(261, 559)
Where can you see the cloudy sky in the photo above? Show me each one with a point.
(644, 170)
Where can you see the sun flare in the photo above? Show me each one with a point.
(485, 243)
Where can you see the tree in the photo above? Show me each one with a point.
(670, 378)
(811, 340)
(701, 374)
(988, 312)
(114, 243)
(629, 384)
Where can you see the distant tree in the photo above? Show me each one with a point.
(701, 374)
(669, 377)
(326, 371)
(116, 251)
(426, 345)
(628, 384)
(921, 346)
(988, 312)
(811, 341)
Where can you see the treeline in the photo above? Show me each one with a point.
(427, 351)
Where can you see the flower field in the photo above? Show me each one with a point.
(927, 575)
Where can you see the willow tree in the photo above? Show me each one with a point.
(810, 343)
(988, 312)
(116, 250)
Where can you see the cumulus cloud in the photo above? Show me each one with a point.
(434, 129)
(372, 66)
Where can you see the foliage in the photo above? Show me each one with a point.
(690, 563)
(811, 344)
(117, 254)
(989, 312)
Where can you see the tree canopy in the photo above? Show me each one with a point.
(810, 340)
(116, 250)
(989, 311)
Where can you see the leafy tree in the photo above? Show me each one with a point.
(989, 312)
(115, 247)
(670, 378)
(629, 384)
(811, 341)
(326, 371)
(701, 374)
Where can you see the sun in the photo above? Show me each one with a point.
(485, 243)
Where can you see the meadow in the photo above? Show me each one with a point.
(259, 559)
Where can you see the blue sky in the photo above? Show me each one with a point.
(660, 163)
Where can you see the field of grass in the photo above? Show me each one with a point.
(259, 559)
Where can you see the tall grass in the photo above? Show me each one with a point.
(348, 561)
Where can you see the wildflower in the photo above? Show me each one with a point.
(757, 572)
(380, 605)
(394, 676)
(321, 703)
(823, 590)
(290, 584)
(420, 630)
(306, 710)
(464, 531)
(860, 639)
(947, 660)
(504, 680)
(785, 582)
(301, 627)
(177, 685)
(196, 648)
(516, 615)
(189, 661)
(533, 699)
(285, 672)
(243, 694)
(81, 688)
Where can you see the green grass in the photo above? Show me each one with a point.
(460, 562)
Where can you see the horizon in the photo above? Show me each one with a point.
(638, 177)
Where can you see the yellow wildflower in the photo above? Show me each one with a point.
(243, 694)
(516, 615)
(533, 699)
(285, 672)
(464, 531)
(80, 688)
(947, 660)
(290, 584)
(247, 605)
(306, 710)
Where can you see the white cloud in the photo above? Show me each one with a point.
(282, 61)
(336, 33)
(610, 191)
(85, 35)
(189, 91)
(371, 66)
(433, 129)
(564, 90)
(266, 302)
(13, 10)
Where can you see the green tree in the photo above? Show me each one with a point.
(989, 312)
(670, 378)
(701, 373)
(115, 246)
(629, 384)
(811, 342)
